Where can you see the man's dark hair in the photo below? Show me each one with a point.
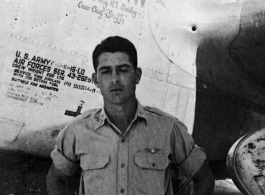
(115, 44)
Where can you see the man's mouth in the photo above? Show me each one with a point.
(116, 90)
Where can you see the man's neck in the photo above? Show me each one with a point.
(121, 115)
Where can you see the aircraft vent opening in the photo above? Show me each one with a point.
(193, 28)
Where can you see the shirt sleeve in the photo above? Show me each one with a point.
(63, 155)
(186, 155)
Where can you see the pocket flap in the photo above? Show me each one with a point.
(151, 161)
(94, 161)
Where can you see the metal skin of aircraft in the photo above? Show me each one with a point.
(202, 61)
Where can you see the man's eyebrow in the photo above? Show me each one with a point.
(124, 66)
(104, 68)
(118, 66)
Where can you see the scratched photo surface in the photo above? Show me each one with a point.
(202, 61)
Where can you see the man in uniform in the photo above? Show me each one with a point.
(125, 148)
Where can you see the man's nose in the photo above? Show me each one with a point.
(115, 77)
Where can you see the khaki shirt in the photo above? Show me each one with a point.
(135, 163)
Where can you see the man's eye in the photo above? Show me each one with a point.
(105, 71)
(123, 70)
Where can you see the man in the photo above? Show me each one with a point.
(125, 148)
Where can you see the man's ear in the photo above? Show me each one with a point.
(138, 75)
(94, 77)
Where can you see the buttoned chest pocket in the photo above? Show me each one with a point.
(96, 173)
(150, 172)
(94, 161)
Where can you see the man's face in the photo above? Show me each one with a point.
(116, 77)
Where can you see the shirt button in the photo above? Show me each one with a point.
(122, 140)
(122, 165)
(122, 190)
(153, 164)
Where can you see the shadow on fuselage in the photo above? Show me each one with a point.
(24, 174)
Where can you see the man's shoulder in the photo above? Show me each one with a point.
(157, 116)
(156, 112)
(86, 115)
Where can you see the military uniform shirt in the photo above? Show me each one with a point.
(135, 163)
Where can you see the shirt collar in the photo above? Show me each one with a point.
(103, 117)
(141, 112)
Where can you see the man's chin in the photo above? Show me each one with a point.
(114, 100)
(118, 99)
(118, 102)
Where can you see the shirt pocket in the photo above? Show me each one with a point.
(151, 161)
(150, 173)
(94, 161)
(95, 173)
